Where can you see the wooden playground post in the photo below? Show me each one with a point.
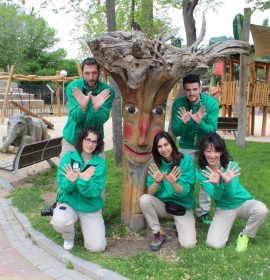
(57, 92)
(6, 93)
(79, 69)
(223, 78)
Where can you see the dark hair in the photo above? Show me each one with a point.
(176, 156)
(90, 61)
(83, 134)
(219, 145)
(191, 79)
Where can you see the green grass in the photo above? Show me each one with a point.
(201, 262)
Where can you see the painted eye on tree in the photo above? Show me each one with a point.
(132, 109)
(159, 110)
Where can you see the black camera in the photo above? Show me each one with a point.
(48, 211)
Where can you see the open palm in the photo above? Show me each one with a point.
(230, 173)
(212, 176)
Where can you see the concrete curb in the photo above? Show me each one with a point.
(90, 269)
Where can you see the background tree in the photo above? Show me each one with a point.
(26, 42)
(116, 107)
(259, 5)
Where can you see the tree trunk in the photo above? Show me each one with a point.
(148, 15)
(145, 71)
(243, 84)
(117, 124)
(116, 107)
(110, 13)
(189, 21)
(132, 10)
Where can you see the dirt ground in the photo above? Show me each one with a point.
(134, 243)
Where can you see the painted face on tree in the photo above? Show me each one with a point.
(143, 119)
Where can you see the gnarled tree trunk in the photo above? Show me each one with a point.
(145, 71)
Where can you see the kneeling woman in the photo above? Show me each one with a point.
(170, 193)
(219, 178)
(81, 178)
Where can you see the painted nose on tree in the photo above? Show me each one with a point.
(144, 128)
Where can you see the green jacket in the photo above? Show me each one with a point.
(165, 191)
(78, 120)
(187, 131)
(226, 196)
(82, 195)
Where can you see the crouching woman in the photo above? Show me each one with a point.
(219, 177)
(170, 192)
(81, 178)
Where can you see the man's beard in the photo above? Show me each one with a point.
(94, 85)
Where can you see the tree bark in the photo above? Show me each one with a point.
(148, 14)
(189, 21)
(243, 84)
(110, 13)
(145, 71)
(117, 124)
(116, 107)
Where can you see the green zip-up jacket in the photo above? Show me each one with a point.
(165, 191)
(226, 196)
(78, 120)
(187, 131)
(82, 195)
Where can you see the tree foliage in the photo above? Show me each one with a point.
(26, 42)
(259, 4)
(92, 19)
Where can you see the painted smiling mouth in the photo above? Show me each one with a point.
(137, 153)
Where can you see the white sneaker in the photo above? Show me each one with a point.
(68, 244)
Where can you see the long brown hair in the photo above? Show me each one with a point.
(176, 156)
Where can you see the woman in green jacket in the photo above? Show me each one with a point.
(170, 192)
(219, 178)
(81, 178)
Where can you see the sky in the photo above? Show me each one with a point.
(218, 23)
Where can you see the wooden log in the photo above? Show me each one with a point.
(23, 109)
(34, 78)
(6, 94)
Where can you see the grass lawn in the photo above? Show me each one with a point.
(201, 262)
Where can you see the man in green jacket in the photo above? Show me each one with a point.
(193, 116)
(89, 104)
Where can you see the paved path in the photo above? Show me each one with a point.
(20, 258)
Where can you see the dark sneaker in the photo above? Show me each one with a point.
(206, 219)
(158, 240)
(174, 229)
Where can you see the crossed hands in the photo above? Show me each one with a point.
(73, 176)
(185, 115)
(215, 176)
(159, 176)
(97, 101)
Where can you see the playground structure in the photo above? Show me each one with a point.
(257, 92)
(11, 76)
